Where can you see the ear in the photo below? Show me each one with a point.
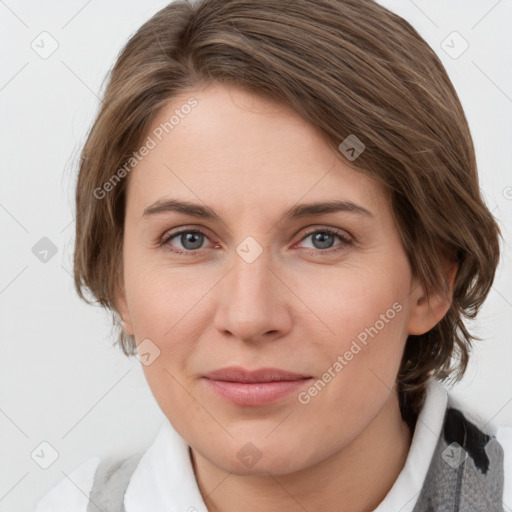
(426, 313)
(123, 312)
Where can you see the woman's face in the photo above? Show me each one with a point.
(324, 293)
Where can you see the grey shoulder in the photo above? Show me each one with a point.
(504, 438)
(97, 483)
(111, 480)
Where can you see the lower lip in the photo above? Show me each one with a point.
(255, 393)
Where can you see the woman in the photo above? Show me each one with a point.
(279, 202)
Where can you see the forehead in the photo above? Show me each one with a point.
(239, 149)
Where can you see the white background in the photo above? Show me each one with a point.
(61, 381)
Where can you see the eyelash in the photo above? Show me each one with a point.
(344, 239)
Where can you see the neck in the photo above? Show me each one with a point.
(356, 478)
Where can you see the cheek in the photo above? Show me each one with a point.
(356, 304)
(162, 299)
(359, 363)
(364, 321)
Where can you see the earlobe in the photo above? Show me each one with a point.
(127, 328)
(427, 312)
(123, 313)
(450, 277)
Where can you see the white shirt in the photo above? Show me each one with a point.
(164, 479)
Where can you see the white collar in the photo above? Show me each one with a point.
(164, 479)
(405, 491)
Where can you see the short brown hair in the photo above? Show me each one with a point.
(347, 67)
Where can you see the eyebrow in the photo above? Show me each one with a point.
(295, 212)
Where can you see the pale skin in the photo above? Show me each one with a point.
(297, 306)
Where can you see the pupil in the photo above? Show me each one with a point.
(319, 236)
(189, 237)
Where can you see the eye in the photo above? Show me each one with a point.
(190, 239)
(322, 240)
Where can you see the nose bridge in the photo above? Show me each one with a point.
(251, 282)
(248, 306)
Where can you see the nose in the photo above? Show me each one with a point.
(254, 300)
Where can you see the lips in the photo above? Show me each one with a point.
(238, 374)
(254, 387)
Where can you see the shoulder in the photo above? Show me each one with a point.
(71, 494)
(504, 438)
(480, 455)
(468, 430)
(100, 482)
(471, 464)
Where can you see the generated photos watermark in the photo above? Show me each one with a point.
(361, 341)
(150, 143)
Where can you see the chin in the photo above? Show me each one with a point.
(259, 458)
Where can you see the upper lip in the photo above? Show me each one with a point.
(238, 374)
